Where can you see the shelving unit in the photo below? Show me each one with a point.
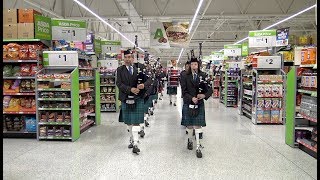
(229, 86)
(19, 111)
(216, 85)
(301, 109)
(245, 104)
(57, 104)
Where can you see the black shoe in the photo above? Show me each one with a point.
(170, 103)
(193, 133)
(190, 145)
(199, 153)
(186, 132)
(141, 133)
(200, 135)
(151, 113)
(146, 123)
(155, 101)
(135, 149)
(174, 104)
(130, 145)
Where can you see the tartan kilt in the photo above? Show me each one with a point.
(148, 104)
(193, 121)
(134, 116)
(155, 96)
(172, 90)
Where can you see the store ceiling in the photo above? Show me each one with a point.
(219, 21)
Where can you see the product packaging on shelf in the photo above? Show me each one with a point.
(25, 30)
(10, 31)
(10, 16)
(275, 115)
(260, 115)
(266, 115)
(27, 15)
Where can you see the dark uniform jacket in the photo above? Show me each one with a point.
(126, 81)
(189, 88)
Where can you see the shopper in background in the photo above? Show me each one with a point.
(182, 74)
(172, 91)
(193, 104)
(131, 96)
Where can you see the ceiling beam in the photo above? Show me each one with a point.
(165, 8)
(85, 12)
(43, 9)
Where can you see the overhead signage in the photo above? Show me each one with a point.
(244, 49)
(217, 55)
(177, 33)
(269, 62)
(42, 27)
(97, 46)
(69, 30)
(263, 38)
(158, 36)
(232, 50)
(108, 46)
(282, 38)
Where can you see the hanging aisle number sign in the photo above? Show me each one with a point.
(232, 50)
(269, 62)
(263, 38)
(217, 55)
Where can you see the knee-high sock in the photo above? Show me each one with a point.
(130, 132)
(135, 130)
(197, 132)
(174, 98)
(170, 97)
(189, 134)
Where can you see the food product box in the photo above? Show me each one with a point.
(275, 90)
(266, 116)
(267, 90)
(26, 15)
(275, 116)
(307, 81)
(260, 90)
(260, 103)
(312, 51)
(260, 116)
(25, 30)
(267, 103)
(313, 81)
(275, 103)
(10, 31)
(9, 16)
(304, 56)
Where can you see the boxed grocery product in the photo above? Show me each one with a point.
(304, 56)
(275, 103)
(307, 81)
(267, 90)
(10, 31)
(267, 103)
(312, 51)
(266, 116)
(260, 116)
(26, 30)
(26, 15)
(9, 16)
(276, 90)
(260, 103)
(313, 82)
(30, 123)
(260, 90)
(275, 116)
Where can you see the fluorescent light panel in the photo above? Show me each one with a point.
(101, 19)
(286, 19)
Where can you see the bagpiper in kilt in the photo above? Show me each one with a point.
(182, 75)
(131, 94)
(194, 88)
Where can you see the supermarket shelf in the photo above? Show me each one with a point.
(55, 123)
(53, 89)
(107, 85)
(107, 93)
(92, 114)
(261, 82)
(20, 60)
(54, 99)
(19, 112)
(247, 112)
(247, 83)
(270, 97)
(247, 75)
(85, 68)
(20, 40)
(85, 103)
(308, 65)
(86, 78)
(19, 94)
(307, 144)
(55, 80)
(18, 132)
(102, 75)
(55, 137)
(312, 93)
(104, 102)
(247, 97)
(308, 118)
(20, 77)
(109, 110)
(86, 126)
(304, 128)
(55, 109)
(269, 109)
(85, 91)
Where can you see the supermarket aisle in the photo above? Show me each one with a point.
(233, 149)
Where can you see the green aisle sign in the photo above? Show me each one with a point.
(107, 42)
(245, 49)
(262, 38)
(232, 50)
(42, 26)
(97, 46)
(69, 23)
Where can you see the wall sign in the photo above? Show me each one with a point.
(69, 30)
(42, 27)
(263, 38)
(232, 50)
(269, 62)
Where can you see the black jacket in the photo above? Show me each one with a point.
(126, 81)
(190, 88)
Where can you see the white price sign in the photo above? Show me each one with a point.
(264, 38)
(216, 57)
(109, 64)
(269, 62)
(232, 50)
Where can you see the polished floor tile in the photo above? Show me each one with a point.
(234, 148)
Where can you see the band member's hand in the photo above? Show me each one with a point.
(195, 100)
(201, 96)
(140, 86)
(135, 91)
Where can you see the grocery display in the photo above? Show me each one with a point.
(245, 99)
(58, 109)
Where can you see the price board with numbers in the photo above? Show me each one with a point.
(263, 38)
(269, 62)
(232, 50)
(109, 64)
(217, 56)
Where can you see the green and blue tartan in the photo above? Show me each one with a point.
(193, 121)
(148, 104)
(132, 116)
(172, 90)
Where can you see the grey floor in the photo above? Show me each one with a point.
(234, 148)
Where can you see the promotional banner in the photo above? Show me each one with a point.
(177, 33)
(232, 50)
(158, 36)
(263, 38)
(282, 37)
(69, 30)
(244, 49)
(42, 27)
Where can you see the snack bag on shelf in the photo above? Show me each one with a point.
(4, 51)
(23, 51)
(7, 71)
(16, 71)
(25, 70)
(13, 51)
(275, 116)
(307, 81)
(33, 50)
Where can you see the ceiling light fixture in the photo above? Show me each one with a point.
(284, 20)
(105, 22)
(191, 25)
